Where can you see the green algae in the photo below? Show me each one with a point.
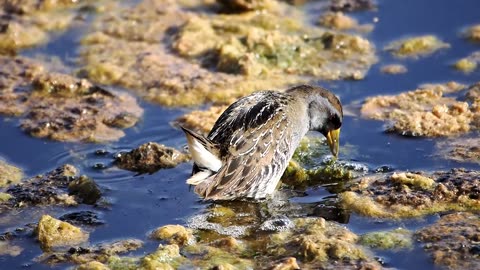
(395, 239)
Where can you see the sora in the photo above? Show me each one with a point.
(251, 143)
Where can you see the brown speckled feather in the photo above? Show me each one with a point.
(254, 135)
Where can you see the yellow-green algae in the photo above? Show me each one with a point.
(52, 232)
(426, 111)
(132, 47)
(465, 65)
(395, 239)
(28, 23)
(62, 107)
(416, 46)
(9, 174)
(381, 196)
(469, 63)
(174, 234)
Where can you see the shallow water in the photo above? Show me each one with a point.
(140, 203)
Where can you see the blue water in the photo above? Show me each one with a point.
(140, 203)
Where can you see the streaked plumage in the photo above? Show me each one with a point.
(250, 145)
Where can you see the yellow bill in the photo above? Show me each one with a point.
(333, 140)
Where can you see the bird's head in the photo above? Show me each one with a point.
(325, 114)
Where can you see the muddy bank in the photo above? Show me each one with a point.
(62, 107)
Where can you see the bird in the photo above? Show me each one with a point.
(251, 143)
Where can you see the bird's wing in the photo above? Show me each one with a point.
(255, 135)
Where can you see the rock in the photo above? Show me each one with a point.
(85, 189)
(338, 20)
(51, 188)
(389, 196)
(84, 218)
(174, 234)
(416, 46)
(9, 174)
(394, 239)
(236, 6)
(452, 241)
(52, 232)
(351, 5)
(61, 107)
(393, 69)
(100, 253)
(424, 112)
(473, 33)
(150, 157)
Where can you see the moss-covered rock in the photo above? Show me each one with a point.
(61, 186)
(174, 234)
(394, 239)
(9, 174)
(416, 46)
(150, 157)
(452, 241)
(103, 253)
(93, 265)
(61, 107)
(424, 112)
(413, 194)
(85, 189)
(52, 232)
